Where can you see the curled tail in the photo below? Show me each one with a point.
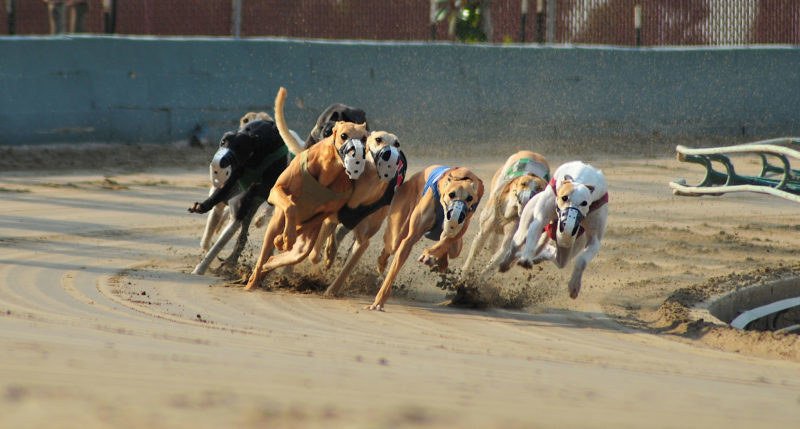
(286, 134)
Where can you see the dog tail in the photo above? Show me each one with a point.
(286, 134)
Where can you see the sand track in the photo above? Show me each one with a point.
(101, 323)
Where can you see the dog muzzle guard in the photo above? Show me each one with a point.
(455, 214)
(353, 156)
(222, 166)
(387, 162)
(524, 196)
(569, 226)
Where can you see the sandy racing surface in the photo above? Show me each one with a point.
(102, 325)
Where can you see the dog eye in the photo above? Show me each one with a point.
(397, 143)
(469, 198)
(585, 203)
(452, 195)
(245, 120)
(344, 136)
(379, 140)
(565, 198)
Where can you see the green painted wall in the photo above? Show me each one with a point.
(115, 89)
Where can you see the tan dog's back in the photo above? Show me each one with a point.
(499, 175)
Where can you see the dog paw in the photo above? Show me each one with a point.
(427, 259)
(259, 221)
(525, 263)
(538, 260)
(574, 289)
(374, 307)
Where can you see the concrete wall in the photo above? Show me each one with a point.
(112, 89)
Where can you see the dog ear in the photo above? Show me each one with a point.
(448, 178)
(335, 130)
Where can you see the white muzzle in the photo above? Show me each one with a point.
(221, 167)
(353, 154)
(569, 226)
(387, 161)
(455, 215)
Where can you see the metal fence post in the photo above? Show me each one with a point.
(11, 6)
(236, 25)
(551, 21)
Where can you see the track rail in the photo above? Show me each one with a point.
(776, 179)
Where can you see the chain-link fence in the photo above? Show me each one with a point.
(613, 22)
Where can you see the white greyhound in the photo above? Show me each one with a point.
(572, 213)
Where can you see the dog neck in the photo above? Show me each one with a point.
(331, 172)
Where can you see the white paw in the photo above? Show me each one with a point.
(376, 307)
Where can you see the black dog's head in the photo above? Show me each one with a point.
(334, 113)
(237, 147)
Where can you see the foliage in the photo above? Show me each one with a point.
(464, 18)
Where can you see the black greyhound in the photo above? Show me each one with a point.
(251, 158)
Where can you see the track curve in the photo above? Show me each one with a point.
(101, 324)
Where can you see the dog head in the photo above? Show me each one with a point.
(224, 161)
(349, 140)
(572, 205)
(524, 188)
(235, 148)
(334, 113)
(253, 116)
(460, 191)
(384, 149)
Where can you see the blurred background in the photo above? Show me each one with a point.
(611, 22)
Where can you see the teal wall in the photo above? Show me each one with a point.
(114, 89)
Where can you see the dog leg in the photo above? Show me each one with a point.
(399, 259)
(279, 197)
(359, 247)
(333, 244)
(494, 262)
(212, 224)
(325, 232)
(487, 219)
(437, 251)
(391, 241)
(477, 243)
(275, 226)
(262, 217)
(241, 241)
(299, 252)
(442, 264)
(533, 243)
(363, 232)
(307, 235)
(509, 251)
(223, 239)
(595, 225)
